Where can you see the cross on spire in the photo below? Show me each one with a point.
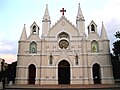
(63, 11)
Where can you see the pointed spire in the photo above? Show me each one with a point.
(79, 14)
(23, 35)
(103, 32)
(46, 14)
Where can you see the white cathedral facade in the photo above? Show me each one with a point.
(64, 54)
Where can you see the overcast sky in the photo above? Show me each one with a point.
(15, 13)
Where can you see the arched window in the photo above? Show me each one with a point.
(63, 40)
(94, 46)
(63, 35)
(34, 29)
(33, 47)
(92, 28)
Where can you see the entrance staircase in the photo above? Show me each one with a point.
(66, 87)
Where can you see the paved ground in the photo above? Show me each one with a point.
(63, 87)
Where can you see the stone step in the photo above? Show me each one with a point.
(98, 86)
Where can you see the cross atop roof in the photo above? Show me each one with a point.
(63, 11)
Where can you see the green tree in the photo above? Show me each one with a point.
(116, 56)
(116, 46)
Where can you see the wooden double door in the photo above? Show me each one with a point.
(32, 74)
(63, 72)
(96, 74)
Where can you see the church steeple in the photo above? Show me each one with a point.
(103, 32)
(80, 21)
(79, 14)
(23, 35)
(46, 22)
(46, 14)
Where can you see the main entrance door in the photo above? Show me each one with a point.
(63, 72)
(96, 74)
(32, 74)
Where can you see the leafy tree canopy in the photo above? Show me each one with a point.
(116, 45)
(117, 35)
(116, 56)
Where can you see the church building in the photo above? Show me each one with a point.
(64, 54)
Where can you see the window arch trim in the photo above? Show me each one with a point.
(33, 47)
(94, 46)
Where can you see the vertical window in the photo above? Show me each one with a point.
(33, 47)
(50, 59)
(92, 28)
(94, 47)
(34, 29)
(76, 60)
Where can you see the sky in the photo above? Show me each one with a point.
(15, 13)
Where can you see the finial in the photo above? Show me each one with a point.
(46, 5)
(24, 25)
(102, 22)
(79, 4)
(63, 10)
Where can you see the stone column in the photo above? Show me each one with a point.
(37, 76)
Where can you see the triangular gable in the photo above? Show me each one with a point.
(96, 60)
(31, 60)
(63, 17)
(92, 22)
(93, 36)
(63, 56)
(34, 37)
(63, 24)
(34, 23)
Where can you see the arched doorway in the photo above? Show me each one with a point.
(32, 74)
(96, 74)
(63, 72)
